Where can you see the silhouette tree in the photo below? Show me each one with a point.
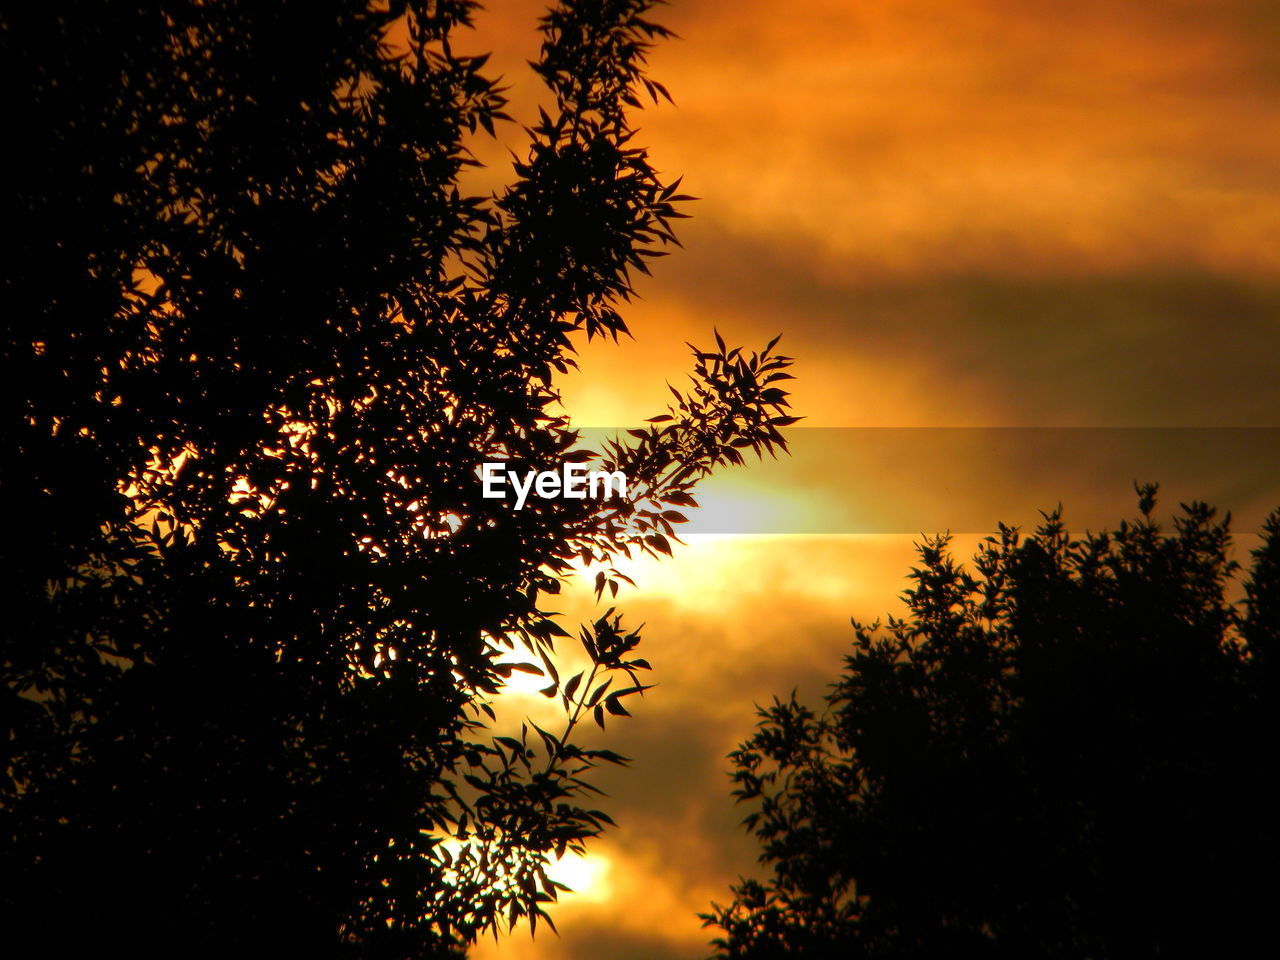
(258, 338)
(1068, 752)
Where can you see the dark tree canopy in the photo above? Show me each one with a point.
(257, 340)
(1068, 751)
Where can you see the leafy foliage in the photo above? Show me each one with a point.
(258, 338)
(1068, 752)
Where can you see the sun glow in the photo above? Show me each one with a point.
(587, 877)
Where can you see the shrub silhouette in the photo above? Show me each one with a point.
(258, 339)
(1068, 751)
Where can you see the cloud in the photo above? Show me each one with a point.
(1115, 348)
(891, 138)
(988, 213)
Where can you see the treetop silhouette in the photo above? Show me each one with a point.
(1067, 750)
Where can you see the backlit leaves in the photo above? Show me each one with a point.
(259, 337)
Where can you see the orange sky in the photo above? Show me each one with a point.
(982, 213)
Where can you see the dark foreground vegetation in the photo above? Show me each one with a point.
(1068, 749)
(258, 338)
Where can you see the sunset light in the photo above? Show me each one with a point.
(587, 877)
(722, 480)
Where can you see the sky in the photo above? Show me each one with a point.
(1022, 253)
